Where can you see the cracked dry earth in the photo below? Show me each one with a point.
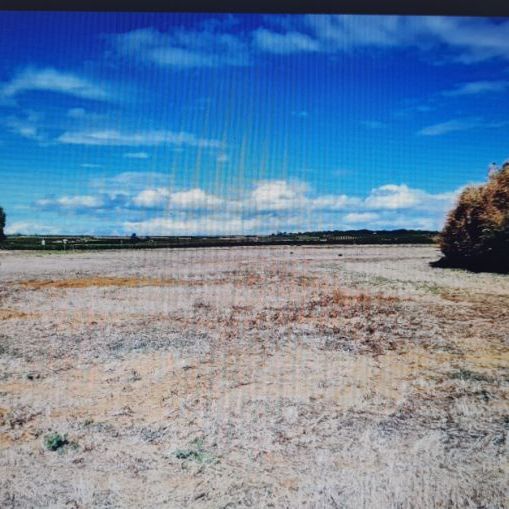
(351, 377)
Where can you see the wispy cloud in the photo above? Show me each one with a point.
(468, 40)
(477, 87)
(211, 225)
(183, 49)
(462, 124)
(360, 217)
(284, 43)
(53, 80)
(112, 137)
(72, 202)
(27, 126)
(31, 228)
(136, 155)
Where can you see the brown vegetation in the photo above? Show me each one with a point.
(252, 378)
(476, 234)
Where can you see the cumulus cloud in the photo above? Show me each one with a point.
(152, 198)
(268, 206)
(277, 195)
(53, 80)
(194, 199)
(401, 196)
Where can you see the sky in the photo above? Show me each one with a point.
(187, 124)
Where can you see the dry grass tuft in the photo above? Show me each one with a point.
(10, 314)
(97, 281)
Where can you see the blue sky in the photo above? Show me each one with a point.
(225, 124)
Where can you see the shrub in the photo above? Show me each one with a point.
(476, 233)
(55, 441)
(2, 223)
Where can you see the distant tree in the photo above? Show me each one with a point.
(134, 237)
(2, 223)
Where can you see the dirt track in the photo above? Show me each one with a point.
(253, 377)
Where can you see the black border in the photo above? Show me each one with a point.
(417, 7)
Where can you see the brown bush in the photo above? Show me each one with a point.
(476, 233)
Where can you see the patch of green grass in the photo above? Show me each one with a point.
(196, 452)
(55, 441)
(466, 374)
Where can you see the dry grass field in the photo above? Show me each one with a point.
(348, 377)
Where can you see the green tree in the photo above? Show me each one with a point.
(2, 223)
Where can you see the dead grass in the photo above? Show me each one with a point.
(10, 314)
(303, 384)
(97, 281)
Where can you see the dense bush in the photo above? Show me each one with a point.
(476, 233)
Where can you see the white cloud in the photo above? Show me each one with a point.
(72, 202)
(130, 182)
(27, 126)
(468, 40)
(152, 198)
(52, 80)
(478, 87)
(269, 206)
(206, 225)
(183, 49)
(360, 217)
(30, 228)
(393, 196)
(401, 196)
(194, 199)
(90, 165)
(284, 43)
(335, 202)
(112, 137)
(222, 158)
(451, 126)
(277, 195)
(136, 155)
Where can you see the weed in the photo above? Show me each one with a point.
(465, 374)
(196, 452)
(55, 441)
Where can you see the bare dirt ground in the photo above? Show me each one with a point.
(354, 377)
